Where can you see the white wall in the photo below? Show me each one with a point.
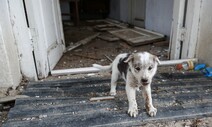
(64, 5)
(115, 12)
(156, 13)
(124, 12)
(205, 34)
(10, 75)
(127, 10)
(159, 16)
(138, 9)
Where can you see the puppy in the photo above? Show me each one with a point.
(137, 70)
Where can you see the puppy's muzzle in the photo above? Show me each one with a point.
(144, 81)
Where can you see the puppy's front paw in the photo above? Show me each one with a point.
(112, 92)
(152, 111)
(133, 111)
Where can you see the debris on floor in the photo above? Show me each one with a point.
(106, 27)
(11, 98)
(82, 42)
(137, 37)
(108, 37)
(101, 98)
(104, 44)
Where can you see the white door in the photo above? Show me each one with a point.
(44, 18)
(185, 28)
(137, 12)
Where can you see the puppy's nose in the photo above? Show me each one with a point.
(144, 80)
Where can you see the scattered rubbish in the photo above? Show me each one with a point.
(106, 27)
(102, 98)
(6, 107)
(108, 38)
(11, 98)
(88, 57)
(188, 65)
(136, 37)
(205, 70)
(125, 45)
(78, 50)
(91, 74)
(208, 72)
(82, 42)
(199, 67)
(108, 58)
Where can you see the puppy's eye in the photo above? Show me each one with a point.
(150, 68)
(137, 68)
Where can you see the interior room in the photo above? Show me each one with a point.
(81, 19)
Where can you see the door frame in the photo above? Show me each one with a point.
(38, 40)
(22, 38)
(185, 29)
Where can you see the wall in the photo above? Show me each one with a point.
(121, 10)
(159, 16)
(65, 9)
(124, 5)
(10, 75)
(138, 9)
(115, 12)
(205, 34)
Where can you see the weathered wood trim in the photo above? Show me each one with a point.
(34, 9)
(23, 41)
(177, 24)
(192, 25)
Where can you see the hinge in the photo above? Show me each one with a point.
(182, 34)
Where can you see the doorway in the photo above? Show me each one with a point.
(98, 50)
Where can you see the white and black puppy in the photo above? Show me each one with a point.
(137, 70)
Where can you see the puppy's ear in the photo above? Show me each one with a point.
(129, 58)
(156, 59)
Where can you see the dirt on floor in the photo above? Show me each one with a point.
(100, 51)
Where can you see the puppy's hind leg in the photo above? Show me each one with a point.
(114, 78)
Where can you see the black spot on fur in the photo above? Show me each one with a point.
(122, 66)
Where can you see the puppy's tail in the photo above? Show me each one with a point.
(103, 68)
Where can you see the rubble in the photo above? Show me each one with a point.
(82, 42)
